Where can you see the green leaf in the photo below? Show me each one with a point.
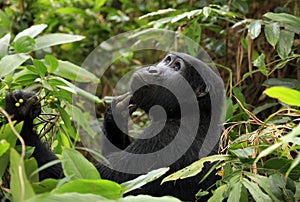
(254, 29)
(4, 159)
(195, 167)
(260, 63)
(285, 43)
(235, 193)
(46, 185)
(243, 153)
(4, 146)
(74, 89)
(145, 198)
(285, 19)
(264, 183)
(26, 79)
(255, 191)
(32, 31)
(76, 197)
(52, 62)
(219, 194)
(10, 62)
(19, 185)
(78, 167)
(4, 44)
(24, 44)
(31, 166)
(40, 66)
(286, 82)
(49, 40)
(73, 72)
(272, 32)
(285, 95)
(143, 179)
(159, 12)
(105, 188)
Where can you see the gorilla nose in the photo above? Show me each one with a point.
(153, 70)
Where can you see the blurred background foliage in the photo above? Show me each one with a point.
(255, 46)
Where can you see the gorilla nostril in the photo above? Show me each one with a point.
(152, 70)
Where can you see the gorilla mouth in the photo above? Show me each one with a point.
(137, 81)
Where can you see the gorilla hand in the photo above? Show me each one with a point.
(22, 105)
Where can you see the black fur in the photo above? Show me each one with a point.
(150, 86)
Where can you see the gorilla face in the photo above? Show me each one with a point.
(165, 83)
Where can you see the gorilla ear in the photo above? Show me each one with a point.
(200, 92)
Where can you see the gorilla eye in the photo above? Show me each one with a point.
(168, 60)
(177, 66)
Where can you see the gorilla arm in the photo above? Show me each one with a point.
(27, 112)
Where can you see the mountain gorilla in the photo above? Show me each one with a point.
(183, 97)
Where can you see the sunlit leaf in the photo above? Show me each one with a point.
(49, 40)
(4, 44)
(52, 62)
(47, 197)
(78, 167)
(73, 72)
(32, 31)
(105, 188)
(285, 95)
(19, 185)
(4, 146)
(145, 198)
(143, 179)
(159, 12)
(10, 62)
(195, 167)
(24, 44)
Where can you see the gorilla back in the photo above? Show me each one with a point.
(184, 99)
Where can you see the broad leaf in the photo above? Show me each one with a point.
(49, 40)
(145, 198)
(32, 31)
(285, 43)
(24, 44)
(195, 167)
(235, 192)
(143, 179)
(75, 73)
(219, 194)
(4, 146)
(19, 185)
(255, 191)
(4, 44)
(105, 188)
(285, 95)
(254, 29)
(272, 32)
(286, 19)
(52, 62)
(78, 167)
(260, 63)
(10, 62)
(76, 197)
